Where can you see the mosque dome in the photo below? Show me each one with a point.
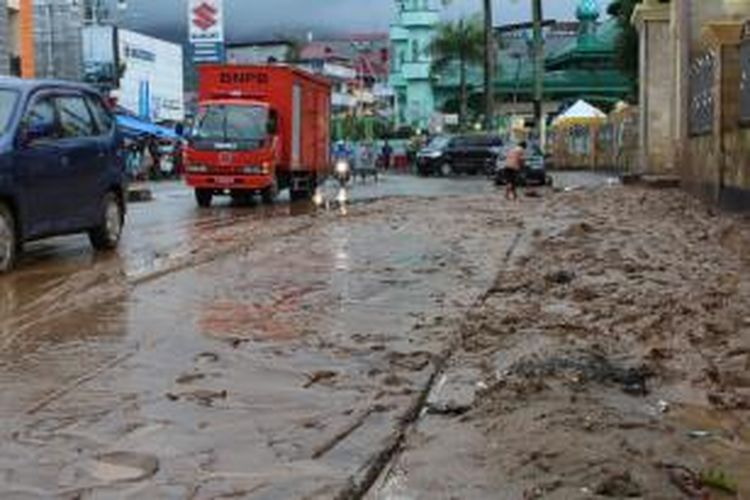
(588, 10)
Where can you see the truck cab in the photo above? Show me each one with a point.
(233, 147)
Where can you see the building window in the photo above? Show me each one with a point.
(415, 51)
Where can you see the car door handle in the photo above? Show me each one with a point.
(65, 161)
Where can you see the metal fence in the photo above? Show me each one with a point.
(702, 73)
(745, 77)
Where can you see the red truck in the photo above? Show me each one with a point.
(259, 129)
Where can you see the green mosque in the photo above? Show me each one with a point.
(579, 64)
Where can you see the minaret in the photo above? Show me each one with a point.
(411, 35)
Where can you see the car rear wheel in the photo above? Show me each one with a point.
(8, 243)
(446, 169)
(107, 235)
(203, 197)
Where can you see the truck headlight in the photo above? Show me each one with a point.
(263, 169)
(253, 170)
(197, 169)
(342, 168)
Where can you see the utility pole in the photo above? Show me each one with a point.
(538, 63)
(489, 67)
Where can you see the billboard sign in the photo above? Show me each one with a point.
(152, 81)
(206, 30)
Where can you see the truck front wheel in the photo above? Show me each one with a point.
(203, 197)
(270, 193)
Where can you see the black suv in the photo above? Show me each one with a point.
(465, 154)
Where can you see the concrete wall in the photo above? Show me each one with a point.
(656, 84)
(5, 42)
(736, 191)
(717, 165)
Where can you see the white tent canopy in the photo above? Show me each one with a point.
(582, 111)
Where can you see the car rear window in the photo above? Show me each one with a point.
(482, 141)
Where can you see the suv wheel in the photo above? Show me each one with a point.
(8, 243)
(446, 169)
(106, 236)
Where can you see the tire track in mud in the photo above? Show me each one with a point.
(92, 287)
(379, 468)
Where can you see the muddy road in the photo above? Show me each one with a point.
(265, 352)
(434, 342)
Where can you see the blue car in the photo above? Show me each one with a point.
(61, 168)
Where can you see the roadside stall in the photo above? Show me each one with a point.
(574, 136)
(144, 139)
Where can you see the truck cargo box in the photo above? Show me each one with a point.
(301, 101)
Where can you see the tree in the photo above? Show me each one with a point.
(627, 40)
(536, 8)
(490, 52)
(459, 42)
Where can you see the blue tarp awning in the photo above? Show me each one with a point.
(135, 128)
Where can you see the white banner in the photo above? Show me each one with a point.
(206, 21)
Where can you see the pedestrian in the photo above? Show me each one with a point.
(514, 162)
(386, 155)
(152, 144)
(146, 160)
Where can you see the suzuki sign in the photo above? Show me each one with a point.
(206, 30)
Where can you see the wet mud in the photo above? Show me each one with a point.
(609, 360)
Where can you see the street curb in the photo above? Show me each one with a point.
(651, 181)
(361, 484)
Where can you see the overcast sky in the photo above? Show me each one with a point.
(253, 19)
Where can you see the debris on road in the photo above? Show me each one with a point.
(320, 376)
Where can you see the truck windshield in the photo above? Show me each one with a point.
(8, 99)
(231, 124)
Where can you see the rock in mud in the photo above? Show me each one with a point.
(318, 377)
(203, 397)
(122, 466)
(619, 485)
(561, 277)
(455, 392)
